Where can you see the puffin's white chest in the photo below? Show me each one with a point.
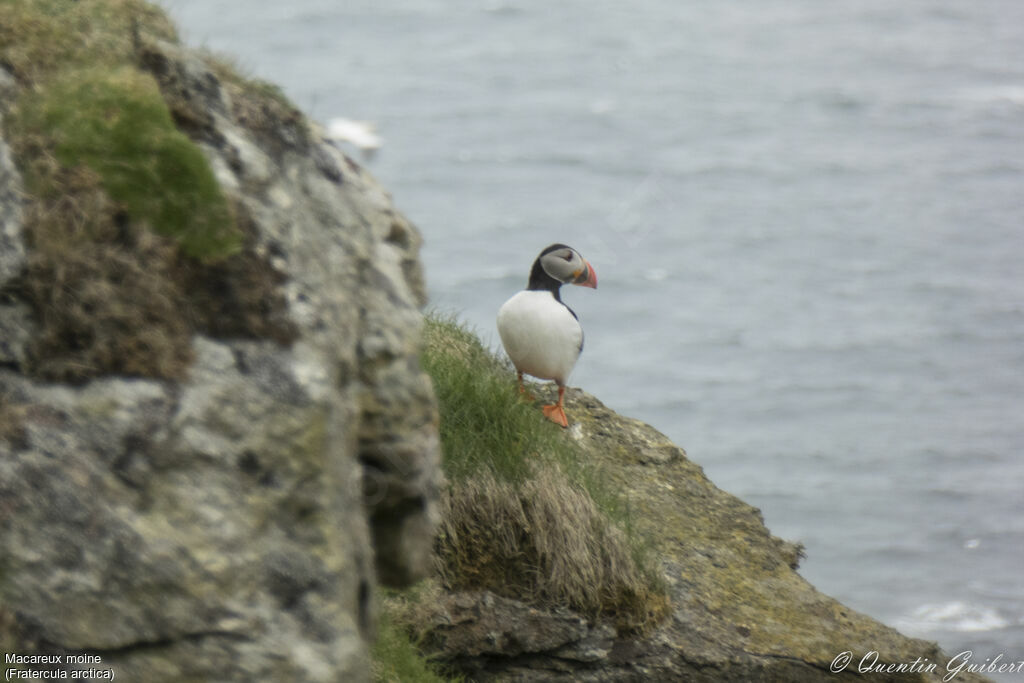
(540, 335)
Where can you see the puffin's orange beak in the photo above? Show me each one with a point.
(588, 278)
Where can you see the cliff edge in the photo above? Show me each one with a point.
(738, 610)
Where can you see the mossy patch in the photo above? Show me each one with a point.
(524, 515)
(115, 123)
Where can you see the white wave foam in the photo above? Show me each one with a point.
(952, 616)
(1006, 94)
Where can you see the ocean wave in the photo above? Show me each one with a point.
(995, 94)
(959, 616)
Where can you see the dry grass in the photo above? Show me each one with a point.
(112, 297)
(100, 285)
(545, 541)
(41, 37)
(105, 309)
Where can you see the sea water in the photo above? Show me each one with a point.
(807, 220)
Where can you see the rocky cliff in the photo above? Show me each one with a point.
(215, 436)
(217, 501)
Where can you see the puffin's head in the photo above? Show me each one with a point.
(567, 266)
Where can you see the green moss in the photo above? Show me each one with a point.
(116, 123)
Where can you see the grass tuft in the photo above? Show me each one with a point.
(545, 539)
(524, 515)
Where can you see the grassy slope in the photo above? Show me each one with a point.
(524, 515)
(484, 424)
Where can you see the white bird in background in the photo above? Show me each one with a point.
(542, 335)
(361, 134)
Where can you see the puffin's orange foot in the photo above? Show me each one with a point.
(556, 414)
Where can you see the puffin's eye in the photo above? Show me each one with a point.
(567, 256)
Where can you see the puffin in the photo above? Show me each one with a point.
(541, 334)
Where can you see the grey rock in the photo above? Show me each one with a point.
(8, 88)
(15, 319)
(16, 329)
(480, 631)
(12, 247)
